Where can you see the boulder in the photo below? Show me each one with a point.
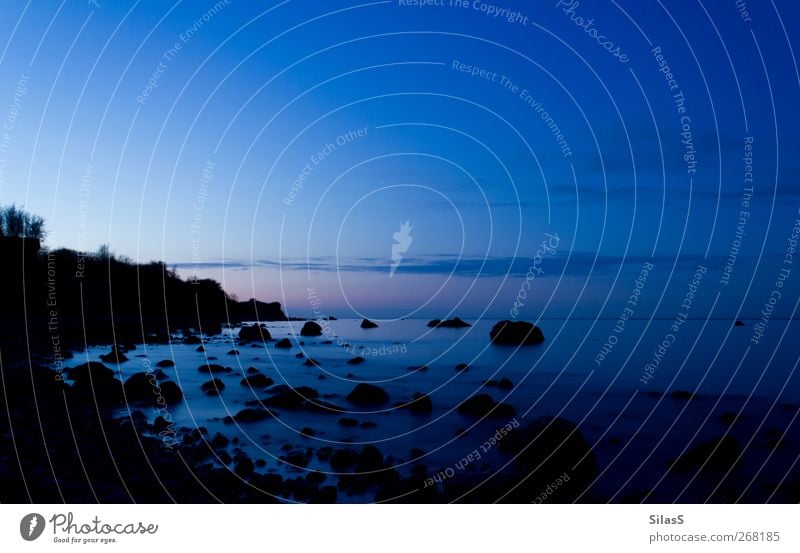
(213, 387)
(455, 322)
(311, 329)
(356, 360)
(212, 369)
(283, 343)
(257, 381)
(366, 323)
(367, 395)
(249, 415)
(192, 340)
(144, 388)
(482, 405)
(717, 455)
(254, 333)
(116, 355)
(421, 404)
(165, 363)
(516, 333)
(292, 398)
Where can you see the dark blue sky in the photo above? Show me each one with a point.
(176, 131)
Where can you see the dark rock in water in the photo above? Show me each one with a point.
(356, 360)
(165, 363)
(116, 355)
(516, 333)
(307, 431)
(296, 459)
(311, 329)
(720, 455)
(292, 398)
(91, 370)
(366, 323)
(728, 418)
(367, 424)
(327, 342)
(455, 322)
(549, 450)
(144, 387)
(249, 415)
(348, 421)
(343, 459)
(254, 333)
(369, 459)
(233, 352)
(367, 395)
(212, 369)
(244, 467)
(462, 367)
(192, 340)
(283, 343)
(161, 423)
(422, 368)
(682, 395)
(200, 349)
(482, 405)
(420, 404)
(213, 387)
(311, 363)
(299, 355)
(219, 441)
(415, 453)
(257, 381)
(253, 370)
(94, 382)
(739, 323)
(324, 453)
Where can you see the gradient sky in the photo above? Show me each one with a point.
(200, 172)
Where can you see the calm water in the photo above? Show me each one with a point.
(559, 377)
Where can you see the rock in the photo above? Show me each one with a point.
(254, 333)
(420, 404)
(548, 450)
(292, 398)
(192, 340)
(348, 422)
(213, 387)
(144, 388)
(369, 459)
(296, 459)
(116, 355)
(728, 418)
(366, 323)
(233, 352)
(682, 395)
(311, 363)
(249, 415)
(327, 342)
(253, 370)
(244, 467)
(311, 329)
(90, 371)
(257, 381)
(367, 395)
(482, 405)
(299, 355)
(516, 333)
(720, 455)
(307, 431)
(343, 459)
(367, 424)
(283, 343)
(219, 441)
(356, 360)
(95, 383)
(462, 367)
(324, 453)
(212, 369)
(165, 363)
(455, 322)
(739, 323)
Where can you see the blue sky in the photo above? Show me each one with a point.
(375, 108)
